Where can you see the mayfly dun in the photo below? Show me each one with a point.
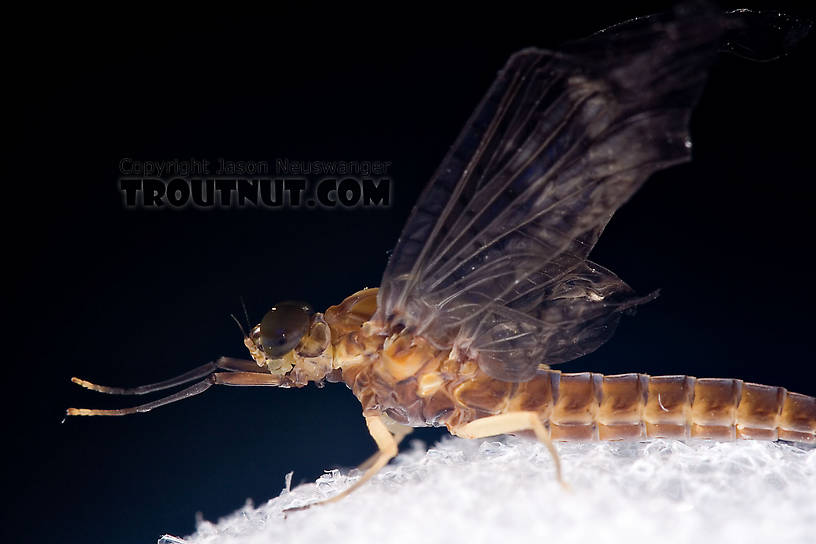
(490, 283)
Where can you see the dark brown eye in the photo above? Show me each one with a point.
(283, 326)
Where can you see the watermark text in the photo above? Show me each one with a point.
(205, 184)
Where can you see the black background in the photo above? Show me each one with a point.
(133, 296)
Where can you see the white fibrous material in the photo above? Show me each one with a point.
(505, 491)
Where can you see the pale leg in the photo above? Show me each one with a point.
(508, 424)
(399, 431)
(387, 450)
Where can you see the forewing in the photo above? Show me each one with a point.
(560, 141)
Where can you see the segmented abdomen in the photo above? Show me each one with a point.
(417, 384)
(587, 406)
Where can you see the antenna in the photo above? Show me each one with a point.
(246, 314)
(239, 325)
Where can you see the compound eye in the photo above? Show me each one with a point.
(283, 326)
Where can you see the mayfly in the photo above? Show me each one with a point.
(490, 283)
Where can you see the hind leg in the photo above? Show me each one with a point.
(507, 424)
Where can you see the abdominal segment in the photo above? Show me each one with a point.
(414, 383)
(589, 406)
(417, 385)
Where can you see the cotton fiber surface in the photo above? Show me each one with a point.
(505, 491)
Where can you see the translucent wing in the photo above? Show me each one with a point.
(493, 256)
